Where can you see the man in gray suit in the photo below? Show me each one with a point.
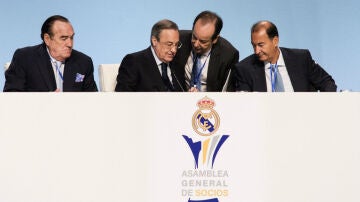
(276, 69)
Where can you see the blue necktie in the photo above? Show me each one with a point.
(59, 76)
(277, 84)
(165, 77)
(196, 73)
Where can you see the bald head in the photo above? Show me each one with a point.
(270, 28)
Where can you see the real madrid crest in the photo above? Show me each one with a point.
(205, 120)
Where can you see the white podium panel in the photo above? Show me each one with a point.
(161, 147)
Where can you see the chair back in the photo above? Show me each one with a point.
(107, 77)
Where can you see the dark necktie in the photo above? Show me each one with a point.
(196, 73)
(165, 77)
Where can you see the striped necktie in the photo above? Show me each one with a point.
(277, 84)
(59, 75)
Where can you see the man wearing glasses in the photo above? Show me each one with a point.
(205, 60)
(149, 70)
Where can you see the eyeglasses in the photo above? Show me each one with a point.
(170, 45)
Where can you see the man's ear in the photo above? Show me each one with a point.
(276, 41)
(154, 41)
(47, 38)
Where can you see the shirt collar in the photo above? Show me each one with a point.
(157, 60)
(280, 62)
(203, 55)
(51, 58)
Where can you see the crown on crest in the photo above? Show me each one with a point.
(206, 103)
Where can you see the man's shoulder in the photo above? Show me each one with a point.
(248, 62)
(139, 57)
(185, 36)
(185, 32)
(294, 50)
(29, 49)
(79, 54)
(80, 58)
(139, 54)
(225, 45)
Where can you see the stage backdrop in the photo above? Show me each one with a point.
(108, 30)
(161, 147)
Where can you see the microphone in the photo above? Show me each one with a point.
(176, 79)
(226, 84)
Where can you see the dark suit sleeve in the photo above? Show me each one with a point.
(89, 81)
(15, 75)
(241, 76)
(319, 78)
(127, 77)
(231, 83)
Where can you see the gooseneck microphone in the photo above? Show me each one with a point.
(176, 79)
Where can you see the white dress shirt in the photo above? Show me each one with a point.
(283, 72)
(205, 58)
(57, 64)
(158, 62)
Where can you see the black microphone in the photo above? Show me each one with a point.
(177, 80)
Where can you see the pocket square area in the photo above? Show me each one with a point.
(79, 77)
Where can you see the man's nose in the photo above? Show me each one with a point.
(196, 43)
(69, 42)
(257, 50)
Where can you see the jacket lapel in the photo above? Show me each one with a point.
(153, 72)
(69, 74)
(259, 76)
(291, 68)
(214, 61)
(45, 68)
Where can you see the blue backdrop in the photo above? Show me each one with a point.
(107, 30)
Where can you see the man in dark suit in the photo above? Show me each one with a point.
(149, 70)
(52, 65)
(274, 69)
(205, 60)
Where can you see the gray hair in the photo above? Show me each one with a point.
(161, 25)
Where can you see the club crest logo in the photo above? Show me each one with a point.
(205, 120)
(204, 183)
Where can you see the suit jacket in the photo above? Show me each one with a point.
(31, 71)
(305, 74)
(223, 58)
(138, 72)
